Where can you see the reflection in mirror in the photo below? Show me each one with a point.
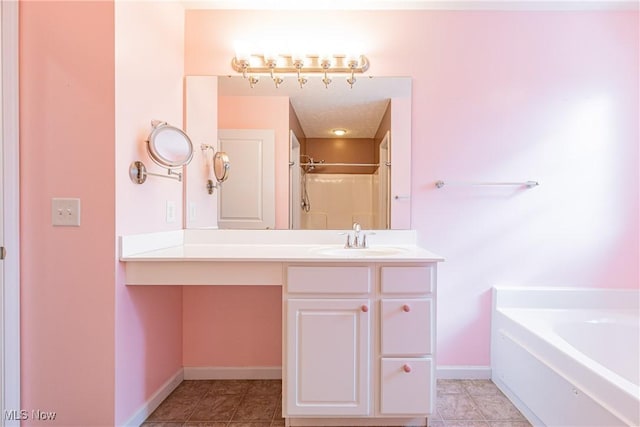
(332, 180)
(221, 166)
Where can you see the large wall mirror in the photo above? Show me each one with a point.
(323, 179)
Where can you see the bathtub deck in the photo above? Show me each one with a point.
(568, 356)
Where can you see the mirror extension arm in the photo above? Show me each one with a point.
(138, 173)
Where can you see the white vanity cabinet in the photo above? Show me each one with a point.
(328, 337)
(407, 333)
(359, 343)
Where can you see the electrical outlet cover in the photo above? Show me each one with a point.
(171, 211)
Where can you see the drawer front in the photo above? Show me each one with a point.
(403, 280)
(406, 327)
(333, 280)
(407, 386)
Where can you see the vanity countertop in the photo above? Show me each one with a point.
(212, 257)
(283, 253)
(271, 246)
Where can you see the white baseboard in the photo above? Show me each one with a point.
(155, 400)
(463, 372)
(355, 421)
(232, 373)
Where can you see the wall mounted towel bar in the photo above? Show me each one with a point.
(528, 184)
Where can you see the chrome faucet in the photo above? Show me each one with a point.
(356, 235)
(359, 238)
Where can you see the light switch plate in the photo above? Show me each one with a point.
(65, 212)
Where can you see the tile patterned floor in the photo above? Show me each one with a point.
(258, 403)
(474, 403)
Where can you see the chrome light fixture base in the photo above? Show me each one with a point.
(252, 65)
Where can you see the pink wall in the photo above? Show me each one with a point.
(547, 96)
(232, 326)
(149, 85)
(88, 86)
(561, 107)
(66, 150)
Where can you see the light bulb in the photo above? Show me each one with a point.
(242, 50)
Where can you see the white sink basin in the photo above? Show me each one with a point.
(380, 251)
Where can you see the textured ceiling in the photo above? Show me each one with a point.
(359, 110)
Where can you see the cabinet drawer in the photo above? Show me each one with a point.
(330, 280)
(402, 280)
(406, 327)
(407, 386)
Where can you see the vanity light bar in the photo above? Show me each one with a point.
(257, 64)
(250, 65)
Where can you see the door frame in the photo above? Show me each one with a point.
(294, 181)
(384, 183)
(10, 215)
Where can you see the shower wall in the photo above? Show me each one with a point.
(339, 200)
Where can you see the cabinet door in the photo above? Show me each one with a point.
(328, 357)
(407, 386)
(406, 326)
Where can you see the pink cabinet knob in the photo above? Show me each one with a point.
(364, 308)
(406, 308)
(406, 367)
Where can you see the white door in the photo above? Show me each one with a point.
(247, 198)
(295, 199)
(9, 223)
(328, 357)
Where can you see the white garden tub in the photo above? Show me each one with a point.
(568, 356)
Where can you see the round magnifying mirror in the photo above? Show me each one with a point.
(169, 146)
(221, 166)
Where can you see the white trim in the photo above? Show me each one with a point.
(355, 421)
(154, 401)
(10, 387)
(463, 372)
(232, 373)
(146, 242)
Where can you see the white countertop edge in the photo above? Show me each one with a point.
(265, 246)
(280, 253)
(147, 242)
